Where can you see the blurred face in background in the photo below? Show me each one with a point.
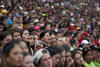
(25, 35)
(46, 38)
(7, 39)
(17, 36)
(53, 39)
(55, 59)
(98, 57)
(59, 42)
(68, 57)
(89, 57)
(24, 46)
(62, 59)
(28, 62)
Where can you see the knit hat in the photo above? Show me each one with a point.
(37, 56)
(53, 50)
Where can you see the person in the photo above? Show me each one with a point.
(88, 57)
(69, 62)
(45, 37)
(12, 55)
(55, 54)
(16, 35)
(78, 59)
(28, 61)
(42, 58)
(62, 58)
(5, 37)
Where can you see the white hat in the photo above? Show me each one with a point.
(2, 6)
(84, 42)
(36, 20)
(38, 55)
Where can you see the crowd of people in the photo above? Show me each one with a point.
(49, 33)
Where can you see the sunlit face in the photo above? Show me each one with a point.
(78, 59)
(62, 60)
(24, 47)
(47, 38)
(25, 35)
(7, 39)
(15, 57)
(56, 59)
(46, 61)
(16, 36)
(28, 62)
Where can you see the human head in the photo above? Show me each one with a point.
(25, 34)
(59, 42)
(55, 54)
(28, 61)
(5, 37)
(12, 54)
(68, 56)
(78, 59)
(45, 37)
(85, 44)
(42, 58)
(88, 55)
(16, 35)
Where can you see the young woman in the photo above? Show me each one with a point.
(78, 59)
(12, 55)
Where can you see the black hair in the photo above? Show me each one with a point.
(43, 34)
(4, 35)
(8, 46)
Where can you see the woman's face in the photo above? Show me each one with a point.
(15, 57)
(46, 61)
(24, 47)
(78, 59)
(47, 38)
(68, 57)
(31, 40)
(7, 39)
(25, 35)
(28, 62)
(53, 38)
(59, 42)
(16, 36)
